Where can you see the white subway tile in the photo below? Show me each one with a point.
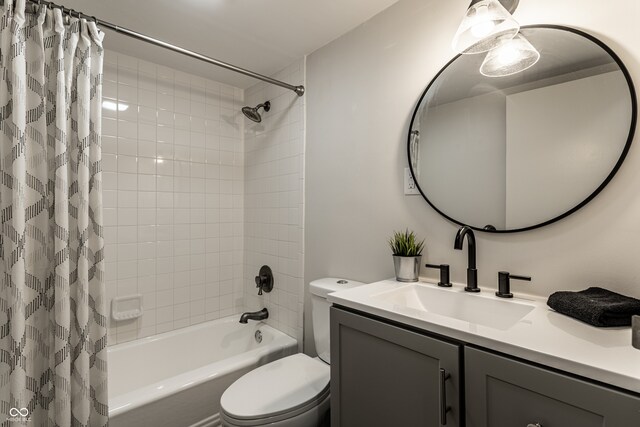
(164, 167)
(182, 105)
(177, 195)
(164, 216)
(127, 164)
(182, 121)
(127, 147)
(182, 152)
(147, 250)
(127, 251)
(127, 216)
(165, 102)
(147, 131)
(127, 234)
(182, 137)
(147, 165)
(164, 183)
(109, 127)
(164, 199)
(147, 98)
(164, 86)
(146, 233)
(127, 269)
(198, 155)
(127, 181)
(165, 134)
(147, 217)
(146, 182)
(165, 118)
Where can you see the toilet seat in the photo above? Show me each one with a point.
(309, 414)
(296, 384)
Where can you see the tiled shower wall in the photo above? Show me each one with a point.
(173, 195)
(274, 212)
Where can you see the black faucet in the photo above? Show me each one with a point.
(254, 315)
(472, 272)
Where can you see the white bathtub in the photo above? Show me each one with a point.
(177, 378)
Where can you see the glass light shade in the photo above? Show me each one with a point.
(485, 26)
(514, 56)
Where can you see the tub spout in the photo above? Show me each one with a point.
(254, 315)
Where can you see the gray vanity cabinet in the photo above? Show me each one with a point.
(383, 375)
(502, 392)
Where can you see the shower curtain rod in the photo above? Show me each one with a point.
(299, 90)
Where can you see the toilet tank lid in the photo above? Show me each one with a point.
(323, 287)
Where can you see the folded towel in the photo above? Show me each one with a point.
(596, 306)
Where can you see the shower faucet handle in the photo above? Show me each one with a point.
(261, 281)
(264, 280)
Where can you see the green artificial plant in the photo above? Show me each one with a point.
(404, 243)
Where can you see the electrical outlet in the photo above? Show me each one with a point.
(409, 184)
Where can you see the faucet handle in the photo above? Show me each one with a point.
(264, 280)
(504, 283)
(261, 280)
(444, 274)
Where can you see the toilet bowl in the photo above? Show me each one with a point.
(293, 391)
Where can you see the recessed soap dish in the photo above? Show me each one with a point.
(126, 308)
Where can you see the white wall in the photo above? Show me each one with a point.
(362, 89)
(274, 196)
(552, 168)
(471, 134)
(173, 195)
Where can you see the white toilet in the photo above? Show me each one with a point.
(293, 391)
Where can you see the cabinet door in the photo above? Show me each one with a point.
(387, 376)
(502, 392)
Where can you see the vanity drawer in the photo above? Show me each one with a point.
(502, 392)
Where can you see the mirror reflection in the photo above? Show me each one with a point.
(515, 152)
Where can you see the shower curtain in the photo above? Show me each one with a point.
(53, 319)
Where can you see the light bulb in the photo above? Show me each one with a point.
(507, 54)
(514, 56)
(482, 29)
(485, 26)
(482, 24)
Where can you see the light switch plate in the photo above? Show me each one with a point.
(409, 184)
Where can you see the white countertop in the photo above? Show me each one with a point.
(542, 336)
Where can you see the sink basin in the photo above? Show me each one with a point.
(476, 309)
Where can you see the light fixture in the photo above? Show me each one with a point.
(486, 25)
(513, 56)
(114, 106)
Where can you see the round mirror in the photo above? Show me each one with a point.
(520, 151)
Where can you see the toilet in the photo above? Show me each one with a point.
(292, 391)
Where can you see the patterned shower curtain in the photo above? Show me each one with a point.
(53, 361)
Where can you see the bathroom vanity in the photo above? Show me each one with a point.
(416, 354)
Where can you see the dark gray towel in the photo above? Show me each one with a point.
(596, 306)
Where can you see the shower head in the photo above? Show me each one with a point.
(252, 113)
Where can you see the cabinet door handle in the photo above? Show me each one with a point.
(444, 376)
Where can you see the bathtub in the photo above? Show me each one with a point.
(177, 378)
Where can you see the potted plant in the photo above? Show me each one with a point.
(407, 253)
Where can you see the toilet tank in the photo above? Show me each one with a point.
(320, 310)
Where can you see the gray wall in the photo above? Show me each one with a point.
(362, 89)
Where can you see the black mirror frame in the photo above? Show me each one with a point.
(623, 155)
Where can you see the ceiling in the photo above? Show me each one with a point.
(261, 35)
